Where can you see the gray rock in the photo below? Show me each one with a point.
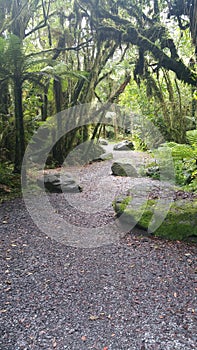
(84, 153)
(123, 169)
(57, 183)
(103, 142)
(124, 146)
(103, 157)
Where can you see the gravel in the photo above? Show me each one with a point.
(137, 293)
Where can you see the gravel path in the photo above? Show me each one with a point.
(137, 293)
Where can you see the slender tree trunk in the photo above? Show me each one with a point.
(19, 125)
(194, 107)
(4, 100)
(44, 101)
(58, 147)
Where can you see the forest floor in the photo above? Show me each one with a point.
(136, 292)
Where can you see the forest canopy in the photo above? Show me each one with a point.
(56, 54)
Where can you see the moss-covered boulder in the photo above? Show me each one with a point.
(123, 168)
(180, 222)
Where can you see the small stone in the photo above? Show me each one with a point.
(124, 146)
(103, 142)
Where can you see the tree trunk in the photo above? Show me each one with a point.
(4, 100)
(19, 125)
(177, 127)
(44, 101)
(58, 147)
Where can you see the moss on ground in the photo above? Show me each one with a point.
(180, 222)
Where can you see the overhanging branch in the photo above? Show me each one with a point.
(132, 36)
(73, 48)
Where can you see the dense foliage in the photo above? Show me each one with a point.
(55, 54)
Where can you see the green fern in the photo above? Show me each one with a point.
(169, 144)
(182, 151)
(191, 136)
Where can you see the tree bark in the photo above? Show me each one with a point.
(126, 33)
(19, 125)
(58, 147)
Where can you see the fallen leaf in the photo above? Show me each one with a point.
(42, 332)
(54, 343)
(93, 317)
(67, 265)
(189, 261)
(156, 246)
(175, 294)
(8, 282)
(83, 338)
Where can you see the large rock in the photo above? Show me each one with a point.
(124, 146)
(180, 222)
(123, 169)
(84, 153)
(57, 183)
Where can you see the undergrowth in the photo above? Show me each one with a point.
(10, 183)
